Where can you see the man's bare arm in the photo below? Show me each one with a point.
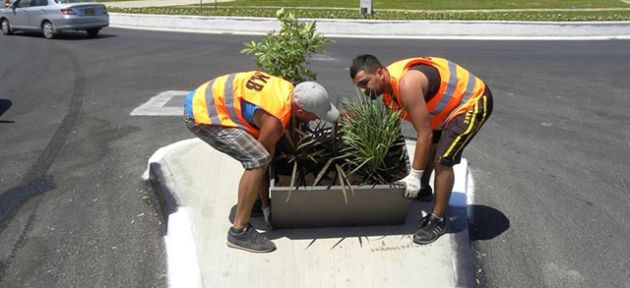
(270, 130)
(413, 86)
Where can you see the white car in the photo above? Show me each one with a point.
(54, 16)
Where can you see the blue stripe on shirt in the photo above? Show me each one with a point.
(247, 111)
(188, 105)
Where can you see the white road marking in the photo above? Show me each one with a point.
(324, 58)
(156, 105)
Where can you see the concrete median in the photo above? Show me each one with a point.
(197, 186)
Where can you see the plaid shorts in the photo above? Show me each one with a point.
(235, 142)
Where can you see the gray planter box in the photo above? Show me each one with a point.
(320, 206)
(325, 206)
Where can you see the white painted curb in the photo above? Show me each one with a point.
(182, 263)
(525, 30)
(183, 267)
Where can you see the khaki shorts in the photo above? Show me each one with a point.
(452, 140)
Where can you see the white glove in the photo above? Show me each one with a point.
(267, 214)
(411, 183)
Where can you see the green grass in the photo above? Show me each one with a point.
(546, 10)
(619, 15)
(433, 4)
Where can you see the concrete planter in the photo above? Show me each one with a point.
(321, 206)
(326, 206)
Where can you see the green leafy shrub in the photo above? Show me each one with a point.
(304, 149)
(285, 53)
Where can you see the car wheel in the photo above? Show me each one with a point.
(92, 32)
(49, 30)
(6, 27)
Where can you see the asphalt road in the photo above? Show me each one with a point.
(550, 166)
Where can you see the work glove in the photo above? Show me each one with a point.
(267, 214)
(411, 183)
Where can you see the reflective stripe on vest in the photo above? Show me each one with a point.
(450, 89)
(210, 103)
(452, 97)
(218, 102)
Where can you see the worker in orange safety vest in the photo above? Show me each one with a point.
(446, 105)
(244, 115)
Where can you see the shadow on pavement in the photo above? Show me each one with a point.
(13, 199)
(457, 224)
(5, 104)
(66, 35)
(488, 223)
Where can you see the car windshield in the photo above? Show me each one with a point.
(72, 1)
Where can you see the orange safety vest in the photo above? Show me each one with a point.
(459, 90)
(218, 101)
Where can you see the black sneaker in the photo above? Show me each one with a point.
(425, 194)
(431, 228)
(250, 240)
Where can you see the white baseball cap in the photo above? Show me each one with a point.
(312, 97)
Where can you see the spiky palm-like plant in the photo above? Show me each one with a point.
(365, 148)
(304, 150)
(373, 143)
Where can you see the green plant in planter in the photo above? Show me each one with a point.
(373, 146)
(285, 53)
(303, 149)
(365, 150)
(306, 151)
(368, 146)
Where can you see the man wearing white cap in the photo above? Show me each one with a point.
(244, 115)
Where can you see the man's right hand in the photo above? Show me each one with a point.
(411, 183)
